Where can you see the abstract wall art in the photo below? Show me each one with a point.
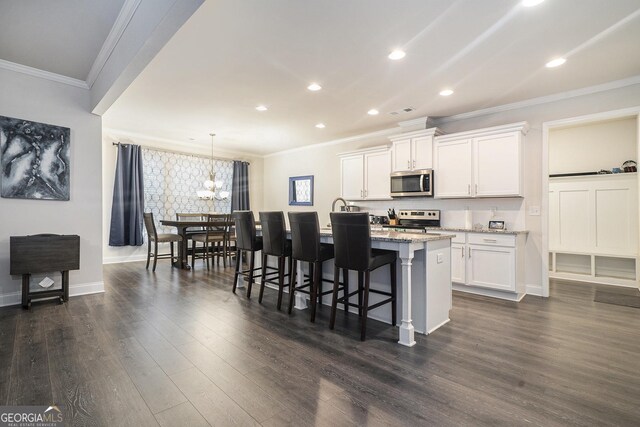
(34, 158)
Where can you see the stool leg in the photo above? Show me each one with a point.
(334, 298)
(207, 245)
(313, 299)
(252, 261)
(171, 253)
(365, 305)
(345, 291)
(292, 286)
(360, 287)
(193, 254)
(319, 291)
(280, 281)
(393, 294)
(263, 277)
(237, 272)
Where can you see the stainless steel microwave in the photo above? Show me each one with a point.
(412, 183)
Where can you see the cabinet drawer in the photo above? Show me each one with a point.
(492, 239)
(457, 237)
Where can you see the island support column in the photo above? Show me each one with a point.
(406, 332)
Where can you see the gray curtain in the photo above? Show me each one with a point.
(128, 198)
(240, 186)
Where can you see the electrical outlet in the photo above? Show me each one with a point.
(440, 258)
(534, 210)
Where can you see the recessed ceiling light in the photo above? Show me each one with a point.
(373, 112)
(261, 108)
(446, 92)
(320, 126)
(397, 54)
(314, 87)
(556, 62)
(531, 3)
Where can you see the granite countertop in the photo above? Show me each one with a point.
(484, 230)
(396, 236)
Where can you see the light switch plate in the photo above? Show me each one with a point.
(534, 210)
(439, 258)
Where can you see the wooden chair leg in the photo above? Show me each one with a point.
(207, 246)
(365, 305)
(148, 253)
(225, 249)
(155, 255)
(314, 291)
(394, 304)
(280, 281)
(334, 298)
(319, 291)
(171, 244)
(252, 260)
(263, 277)
(193, 253)
(237, 272)
(292, 286)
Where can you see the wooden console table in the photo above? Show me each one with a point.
(43, 253)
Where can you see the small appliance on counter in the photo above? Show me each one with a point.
(415, 220)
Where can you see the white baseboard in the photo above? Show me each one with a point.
(15, 298)
(120, 259)
(534, 290)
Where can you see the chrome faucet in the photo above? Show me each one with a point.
(338, 199)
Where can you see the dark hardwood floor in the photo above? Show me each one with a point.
(177, 348)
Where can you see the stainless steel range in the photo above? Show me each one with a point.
(416, 220)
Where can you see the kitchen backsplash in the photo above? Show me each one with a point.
(511, 210)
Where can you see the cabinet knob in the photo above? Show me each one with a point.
(414, 164)
(408, 164)
(469, 189)
(463, 252)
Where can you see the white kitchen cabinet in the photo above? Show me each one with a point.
(413, 150)
(453, 171)
(364, 174)
(352, 177)
(481, 163)
(490, 264)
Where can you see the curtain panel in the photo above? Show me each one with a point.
(128, 198)
(240, 187)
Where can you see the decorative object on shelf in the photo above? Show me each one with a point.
(630, 166)
(496, 225)
(212, 185)
(301, 190)
(35, 160)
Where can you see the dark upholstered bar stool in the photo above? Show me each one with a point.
(246, 240)
(306, 247)
(352, 245)
(274, 243)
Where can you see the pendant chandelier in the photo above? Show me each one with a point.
(212, 185)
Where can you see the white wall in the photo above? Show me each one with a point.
(591, 147)
(135, 253)
(322, 162)
(45, 101)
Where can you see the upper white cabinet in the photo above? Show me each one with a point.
(365, 174)
(413, 150)
(481, 163)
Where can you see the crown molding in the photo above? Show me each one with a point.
(383, 132)
(35, 72)
(122, 21)
(616, 84)
(522, 127)
(168, 143)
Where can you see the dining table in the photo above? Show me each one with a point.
(183, 227)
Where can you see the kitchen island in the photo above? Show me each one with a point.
(424, 282)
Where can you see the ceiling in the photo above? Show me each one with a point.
(234, 55)
(61, 36)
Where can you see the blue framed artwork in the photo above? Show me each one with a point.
(301, 190)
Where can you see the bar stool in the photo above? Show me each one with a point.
(274, 243)
(306, 247)
(352, 245)
(246, 240)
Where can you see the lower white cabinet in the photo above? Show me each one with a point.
(488, 264)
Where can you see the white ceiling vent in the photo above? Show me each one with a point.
(402, 111)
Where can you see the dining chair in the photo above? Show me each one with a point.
(213, 239)
(153, 236)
